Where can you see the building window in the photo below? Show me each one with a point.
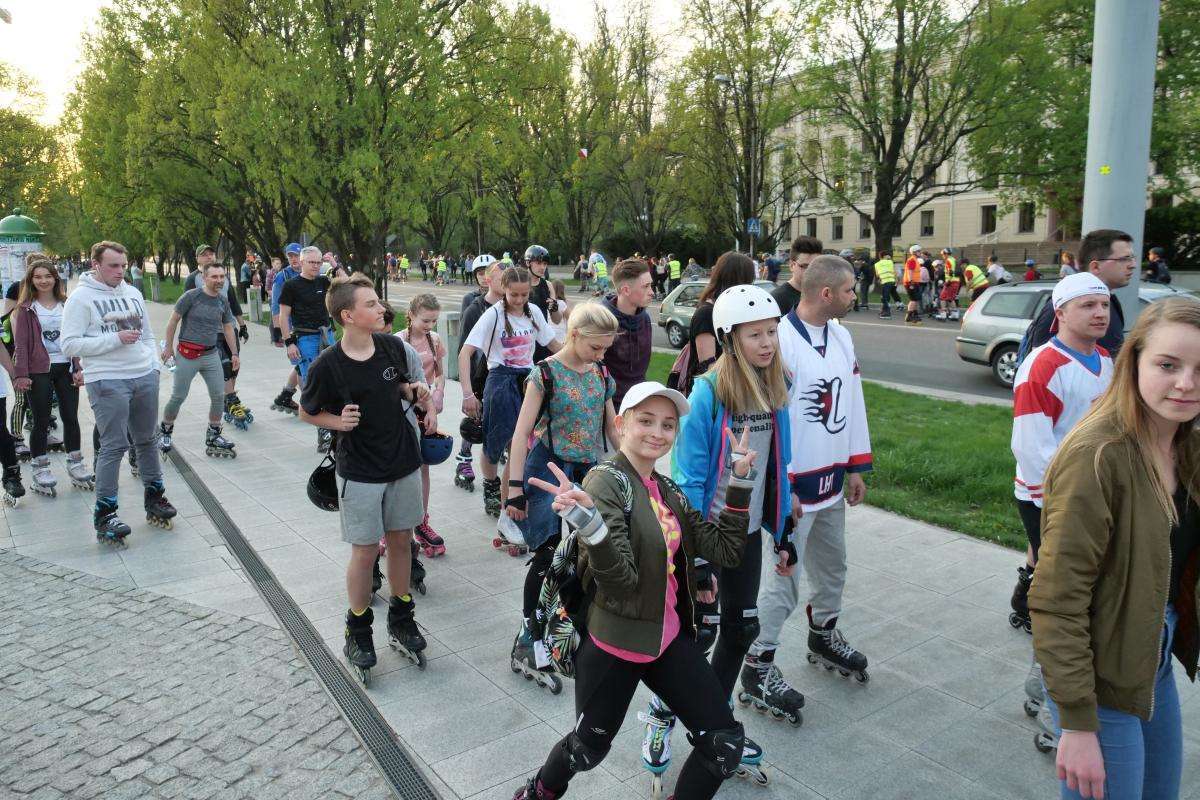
(927, 223)
(866, 181)
(929, 174)
(839, 183)
(1025, 218)
(987, 219)
(839, 229)
(811, 189)
(864, 226)
(812, 226)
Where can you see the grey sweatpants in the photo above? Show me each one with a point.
(820, 538)
(209, 367)
(125, 410)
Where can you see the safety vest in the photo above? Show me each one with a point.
(403, 262)
(441, 265)
(951, 270)
(506, 260)
(885, 271)
(975, 277)
(674, 267)
(601, 269)
(912, 271)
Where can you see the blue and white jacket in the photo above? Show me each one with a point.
(701, 449)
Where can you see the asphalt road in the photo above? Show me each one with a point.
(922, 356)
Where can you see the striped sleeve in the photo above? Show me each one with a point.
(1037, 404)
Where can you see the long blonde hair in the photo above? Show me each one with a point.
(1121, 415)
(742, 387)
(591, 319)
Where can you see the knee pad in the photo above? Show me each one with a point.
(742, 632)
(707, 623)
(583, 756)
(720, 750)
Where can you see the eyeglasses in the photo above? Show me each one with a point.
(1122, 260)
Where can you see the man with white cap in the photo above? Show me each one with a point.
(1054, 388)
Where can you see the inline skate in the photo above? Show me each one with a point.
(324, 440)
(827, 647)
(764, 688)
(54, 443)
(22, 449)
(430, 543)
(1035, 696)
(217, 445)
(417, 574)
(43, 479)
(491, 496)
(285, 403)
(133, 465)
(109, 527)
(165, 430)
(359, 648)
(534, 790)
(13, 490)
(509, 537)
(1046, 739)
(656, 742)
(1019, 618)
(403, 634)
(159, 511)
(523, 662)
(81, 477)
(464, 474)
(376, 577)
(751, 766)
(236, 413)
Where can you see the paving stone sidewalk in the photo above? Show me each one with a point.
(941, 717)
(114, 692)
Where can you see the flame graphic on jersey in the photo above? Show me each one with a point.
(825, 399)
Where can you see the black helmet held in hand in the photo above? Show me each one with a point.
(471, 430)
(322, 485)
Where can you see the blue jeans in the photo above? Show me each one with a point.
(1142, 760)
(310, 346)
(541, 523)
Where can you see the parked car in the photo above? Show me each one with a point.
(994, 325)
(675, 313)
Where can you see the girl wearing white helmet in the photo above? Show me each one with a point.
(745, 391)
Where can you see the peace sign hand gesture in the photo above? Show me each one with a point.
(566, 494)
(741, 455)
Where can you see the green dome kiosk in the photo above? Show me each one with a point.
(19, 236)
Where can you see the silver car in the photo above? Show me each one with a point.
(994, 325)
(675, 313)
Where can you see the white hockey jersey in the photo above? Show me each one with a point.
(827, 411)
(1052, 391)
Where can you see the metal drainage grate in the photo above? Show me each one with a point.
(369, 725)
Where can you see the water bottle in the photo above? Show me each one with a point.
(170, 362)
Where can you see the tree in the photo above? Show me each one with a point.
(906, 83)
(28, 149)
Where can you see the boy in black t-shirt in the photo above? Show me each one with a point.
(366, 387)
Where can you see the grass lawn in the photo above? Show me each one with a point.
(938, 461)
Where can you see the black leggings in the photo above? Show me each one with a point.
(8, 450)
(58, 381)
(737, 596)
(604, 687)
(1031, 518)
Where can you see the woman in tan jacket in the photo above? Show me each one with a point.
(1115, 594)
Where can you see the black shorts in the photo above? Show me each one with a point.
(913, 290)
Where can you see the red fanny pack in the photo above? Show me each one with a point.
(191, 349)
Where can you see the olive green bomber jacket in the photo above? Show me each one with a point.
(628, 566)
(1100, 590)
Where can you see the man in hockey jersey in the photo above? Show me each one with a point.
(1054, 388)
(830, 451)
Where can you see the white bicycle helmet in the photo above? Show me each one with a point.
(916, 248)
(595, 258)
(740, 304)
(482, 262)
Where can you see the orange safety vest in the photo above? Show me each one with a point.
(912, 271)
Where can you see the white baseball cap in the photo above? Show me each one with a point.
(643, 391)
(1077, 285)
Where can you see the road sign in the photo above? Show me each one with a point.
(753, 226)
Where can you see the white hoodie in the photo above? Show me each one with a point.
(93, 314)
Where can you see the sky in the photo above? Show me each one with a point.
(43, 39)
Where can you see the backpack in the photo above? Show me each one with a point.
(547, 373)
(560, 619)
(682, 372)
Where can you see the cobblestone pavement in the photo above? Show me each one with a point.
(113, 692)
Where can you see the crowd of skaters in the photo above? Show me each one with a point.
(689, 578)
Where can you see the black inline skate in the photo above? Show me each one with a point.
(165, 431)
(523, 662)
(417, 574)
(827, 647)
(359, 648)
(376, 577)
(285, 403)
(491, 496)
(13, 490)
(236, 413)
(764, 688)
(1019, 618)
(159, 511)
(216, 445)
(464, 474)
(109, 527)
(403, 634)
(22, 449)
(534, 790)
